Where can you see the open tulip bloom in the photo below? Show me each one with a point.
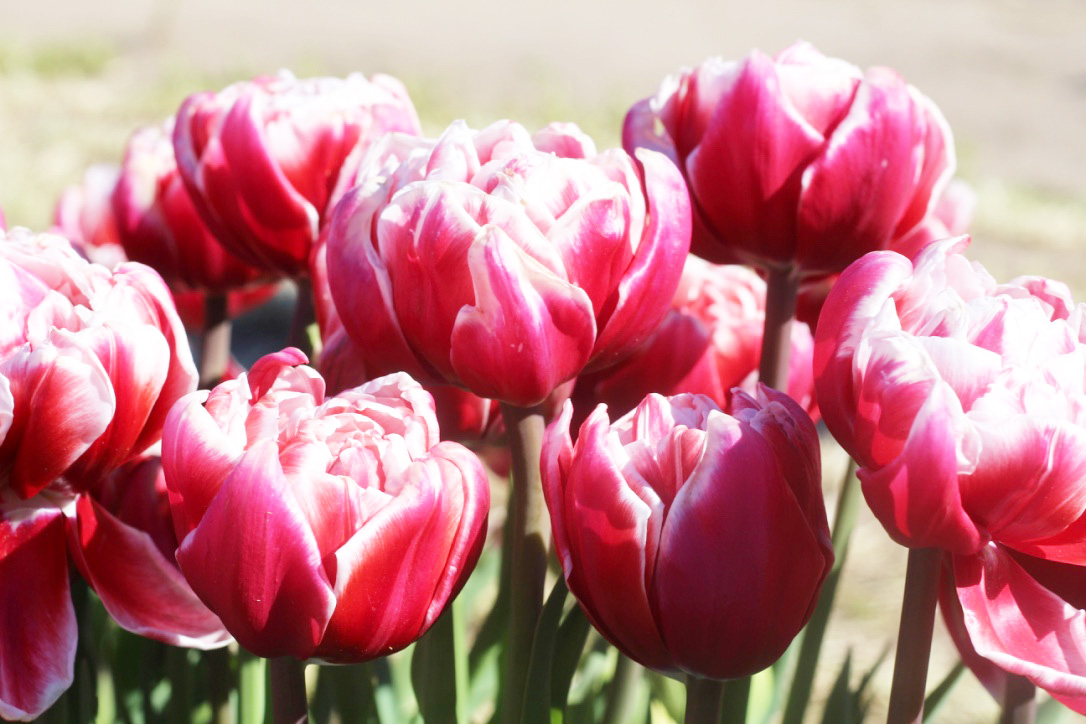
(90, 363)
(335, 528)
(962, 400)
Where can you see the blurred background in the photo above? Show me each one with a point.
(1010, 75)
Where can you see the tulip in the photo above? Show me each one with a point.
(694, 540)
(492, 261)
(709, 343)
(334, 528)
(90, 362)
(158, 225)
(961, 400)
(799, 162)
(261, 158)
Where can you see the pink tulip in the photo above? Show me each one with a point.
(90, 362)
(963, 402)
(158, 225)
(797, 162)
(261, 158)
(694, 540)
(709, 343)
(492, 261)
(335, 528)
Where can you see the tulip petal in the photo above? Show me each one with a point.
(1020, 625)
(633, 312)
(916, 496)
(253, 560)
(143, 591)
(741, 618)
(527, 332)
(38, 638)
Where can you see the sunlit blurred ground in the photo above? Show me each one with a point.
(77, 78)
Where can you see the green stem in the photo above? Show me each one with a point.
(1019, 701)
(221, 680)
(848, 505)
(215, 342)
(286, 678)
(733, 707)
(304, 315)
(530, 533)
(703, 697)
(252, 680)
(914, 636)
(780, 308)
(624, 696)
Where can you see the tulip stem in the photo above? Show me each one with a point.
(215, 342)
(251, 688)
(304, 315)
(529, 531)
(286, 678)
(733, 706)
(221, 680)
(848, 504)
(1019, 701)
(780, 309)
(625, 695)
(914, 636)
(703, 698)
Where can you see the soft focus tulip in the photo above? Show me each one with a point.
(261, 158)
(336, 528)
(84, 216)
(695, 541)
(158, 225)
(503, 262)
(799, 162)
(709, 343)
(90, 363)
(963, 402)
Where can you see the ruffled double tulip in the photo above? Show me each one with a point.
(90, 363)
(503, 262)
(709, 343)
(334, 528)
(798, 162)
(963, 402)
(158, 225)
(262, 157)
(695, 541)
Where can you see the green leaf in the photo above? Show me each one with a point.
(568, 646)
(938, 694)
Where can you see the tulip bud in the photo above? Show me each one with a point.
(797, 162)
(695, 541)
(337, 528)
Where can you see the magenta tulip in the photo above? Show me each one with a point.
(334, 528)
(158, 225)
(798, 162)
(492, 261)
(261, 158)
(695, 541)
(90, 362)
(709, 343)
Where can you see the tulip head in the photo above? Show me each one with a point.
(492, 261)
(696, 541)
(336, 528)
(799, 161)
(262, 157)
(961, 399)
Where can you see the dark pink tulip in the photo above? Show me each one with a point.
(261, 158)
(695, 541)
(158, 225)
(491, 261)
(709, 343)
(961, 400)
(334, 528)
(90, 362)
(797, 162)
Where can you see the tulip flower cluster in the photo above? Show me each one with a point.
(509, 289)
